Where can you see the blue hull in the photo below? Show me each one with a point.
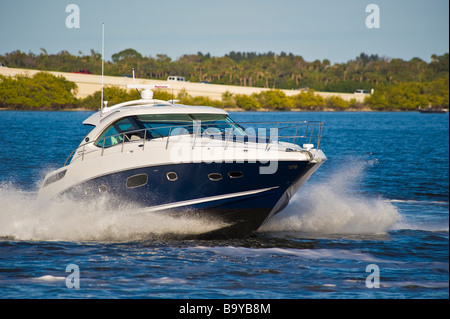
(235, 193)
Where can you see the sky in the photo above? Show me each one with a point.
(314, 29)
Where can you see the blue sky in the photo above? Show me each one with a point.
(314, 29)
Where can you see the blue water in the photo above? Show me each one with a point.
(380, 202)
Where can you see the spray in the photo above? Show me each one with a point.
(334, 207)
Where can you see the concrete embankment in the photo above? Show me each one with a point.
(89, 83)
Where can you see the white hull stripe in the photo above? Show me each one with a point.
(207, 199)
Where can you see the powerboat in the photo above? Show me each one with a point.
(177, 159)
(432, 110)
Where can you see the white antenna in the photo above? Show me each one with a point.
(134, 82)
(103, 59)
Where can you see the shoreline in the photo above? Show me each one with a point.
(334, 102)
(352, 110)
(88, 84)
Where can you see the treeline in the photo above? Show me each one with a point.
(46, 91)
(266, 70)
(411, 95)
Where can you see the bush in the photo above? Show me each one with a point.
(204, 100)
(228, 99)
(337, 102)
(184, 97)
(410, 95)
(112, 94)
(247, 102)
(353, 103)
(162, 94)
(308, 100)
(275, 99)
(42, 90)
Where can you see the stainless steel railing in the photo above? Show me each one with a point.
(306, 131)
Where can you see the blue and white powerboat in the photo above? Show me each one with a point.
(177, 159)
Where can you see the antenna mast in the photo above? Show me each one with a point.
(103, 59)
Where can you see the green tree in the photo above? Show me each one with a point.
(228, 99)
(112, 94)
(275, 99)
(308, 100)
(42, 90)
(410, 95)
(247, 102)
(337, 102)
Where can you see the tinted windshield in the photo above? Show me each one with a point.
(162, 125)
(114, 133)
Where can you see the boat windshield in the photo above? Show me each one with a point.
(113, 134)
(162, 125)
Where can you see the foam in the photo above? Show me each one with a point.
(49, 278)
(307, 254)
(23, 217)
(335, 207)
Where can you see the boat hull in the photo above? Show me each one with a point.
(236, 194)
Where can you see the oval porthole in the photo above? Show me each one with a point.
(215, 177)
(102, 189)
(172, 176)
(235, 174)
(137, 180)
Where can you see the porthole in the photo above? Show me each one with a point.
(172, 176)
(102, 189)
(88, 191)
(235, 174)
(137, 180)
(215, 177)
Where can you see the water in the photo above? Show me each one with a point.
(379, 203)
